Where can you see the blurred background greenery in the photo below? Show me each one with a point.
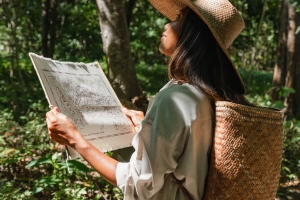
(33, 167)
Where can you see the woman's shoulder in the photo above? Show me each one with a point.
(181, 102)
(184, 93)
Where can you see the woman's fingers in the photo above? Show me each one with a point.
(135, 116)
(132, 113)
(55, 110)
(61, 129)
(57, 123)
(52, 119)
(127, 112)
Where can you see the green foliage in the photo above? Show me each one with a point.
(59, 179)
(31, 93)
(146, 28)
(256, 47)
(257, 85)
(32, 167)
(290, 169)
(21, 28)
(19, 32)
(256, 82)
(151, 78)
(78, 32)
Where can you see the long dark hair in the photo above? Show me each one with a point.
(199, 60)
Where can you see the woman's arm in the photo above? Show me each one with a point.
(62, 130)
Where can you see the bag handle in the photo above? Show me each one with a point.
(186, 193)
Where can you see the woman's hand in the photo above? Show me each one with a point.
(135, 116)
(61, 129)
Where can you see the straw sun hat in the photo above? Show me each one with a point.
(221, 16)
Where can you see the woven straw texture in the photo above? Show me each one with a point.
(247, 152)
(220, 15)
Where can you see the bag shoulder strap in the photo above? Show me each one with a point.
(186, 193)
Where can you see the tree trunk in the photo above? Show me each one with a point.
(121, 71)
(116, 46)
(280, 70)
(289, 80)
(12, 20)
(49, 28)
(296, 99)
(288, 58)
(129, 6)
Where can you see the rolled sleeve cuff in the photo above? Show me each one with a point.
(121, 175)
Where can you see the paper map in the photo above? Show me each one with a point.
(82, 92)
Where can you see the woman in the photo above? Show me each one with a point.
(174, 138)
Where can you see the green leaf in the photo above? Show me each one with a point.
(278, 105)
(37, 190)
(43, 180)
(78, 165)
(286, 169)
(298, 30)
(54, 156)
(43, 160)
(288, 89)
(23, 117)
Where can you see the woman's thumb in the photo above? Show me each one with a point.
(55, 110)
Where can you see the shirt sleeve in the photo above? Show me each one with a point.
(159, 144)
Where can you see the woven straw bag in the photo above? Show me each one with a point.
(247, 153)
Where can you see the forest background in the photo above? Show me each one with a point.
(267, 54)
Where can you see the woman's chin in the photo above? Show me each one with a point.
(166, 53)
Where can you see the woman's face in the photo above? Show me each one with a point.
(169, 38)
